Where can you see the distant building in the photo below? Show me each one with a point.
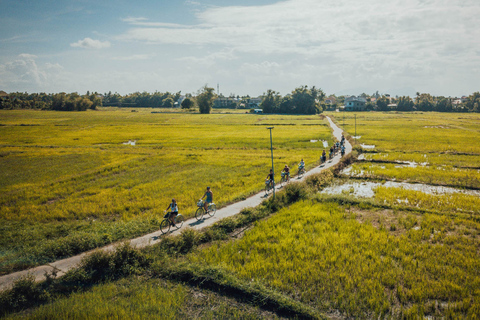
(254, 102)
(355, 104)
(330, 100)
(224, 102)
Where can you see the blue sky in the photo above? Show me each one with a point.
(247, 47)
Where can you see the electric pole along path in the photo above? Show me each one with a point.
(62, 266)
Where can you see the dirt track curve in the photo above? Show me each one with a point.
(62, 266)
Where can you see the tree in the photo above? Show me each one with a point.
(187, 103)
(472, 100)
(205, 99)
(270, 102)
(382, 104)
(405, 104)
(425, 102)
(168, 103)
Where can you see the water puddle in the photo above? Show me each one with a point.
(325, 144)
(365, 189)
(313, 141)
(130, 142)
(367, 146)
(356, 137)
(410, 164)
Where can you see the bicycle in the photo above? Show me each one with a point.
(212, 208)
(268, 186)
(285, 178)
(301, 171)
(166, 223)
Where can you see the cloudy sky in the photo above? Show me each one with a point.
(247, 47)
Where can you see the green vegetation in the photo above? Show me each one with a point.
(443, 148)
(301, 255)
(402, 254)
(302, 100)
(69, 184)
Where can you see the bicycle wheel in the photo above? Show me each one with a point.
(212, 209)
(165, 226)
(179, 219)
(199, 213)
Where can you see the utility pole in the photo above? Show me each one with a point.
(355, 126)
(271, 149)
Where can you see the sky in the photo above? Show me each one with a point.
(245, 47)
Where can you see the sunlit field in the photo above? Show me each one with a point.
(69, 183)
(364, 263)
(400, 254)
(137, 298)
(442, 149)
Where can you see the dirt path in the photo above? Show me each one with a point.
(62, 266)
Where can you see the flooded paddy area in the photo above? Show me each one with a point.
(366, 189)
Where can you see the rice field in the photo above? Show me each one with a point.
(135, 298)
(69, 182)
(433, 148)
(333, 258)
(403, 253)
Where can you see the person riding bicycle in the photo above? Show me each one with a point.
(286, 171)
(270, 178)
(208, 200)
(324, 156)
(343, 151)
(173, 212)
(301, 165)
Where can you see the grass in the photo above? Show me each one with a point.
(69, 184)
(304, 253)
(442, 145)
(441, 175)
(326, 258)
(455, 202)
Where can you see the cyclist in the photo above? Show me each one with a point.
(173, 212)
(331, 152)
(301, 165)
(208, 200)
(343, 151)
(270, 178)
(286, 171)
(324, 156)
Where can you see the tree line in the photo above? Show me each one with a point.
(302, 100)
(141, 99)
(53, 101)
(75, 102)
(421, 102)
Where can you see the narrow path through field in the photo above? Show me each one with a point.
(62, 266)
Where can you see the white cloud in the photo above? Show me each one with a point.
(135, 57)
(22, 72)
(89, 43)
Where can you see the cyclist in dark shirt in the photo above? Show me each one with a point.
(270, 177)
